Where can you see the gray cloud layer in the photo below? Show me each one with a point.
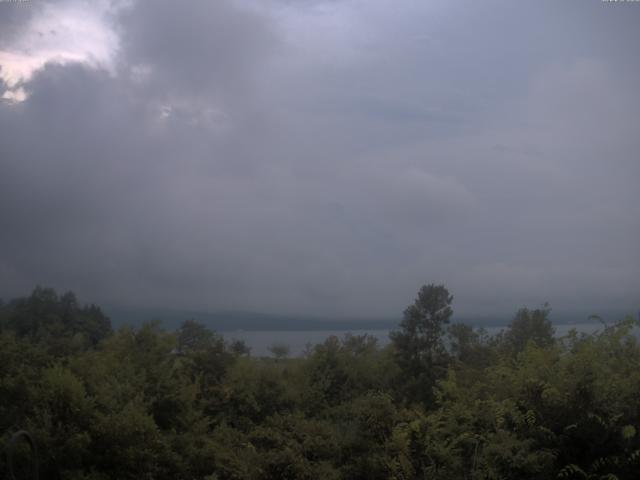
(330, 157)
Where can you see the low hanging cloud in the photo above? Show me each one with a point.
(320, 157)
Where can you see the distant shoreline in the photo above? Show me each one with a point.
(230, 322)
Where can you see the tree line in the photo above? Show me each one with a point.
(442, 400)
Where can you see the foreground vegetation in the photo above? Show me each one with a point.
(442, 401)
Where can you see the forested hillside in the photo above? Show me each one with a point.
(442, 401)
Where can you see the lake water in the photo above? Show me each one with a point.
(297, 340)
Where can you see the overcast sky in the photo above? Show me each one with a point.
(322, 157)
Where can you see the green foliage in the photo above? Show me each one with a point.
(280, 350)
(419, 347)
(530, 326)
(57, 322)
(470, 347)
(147, 403)
(338, 370)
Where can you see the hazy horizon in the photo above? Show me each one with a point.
(256, 321)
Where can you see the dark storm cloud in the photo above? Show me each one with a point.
(203, 48)
(329, 157)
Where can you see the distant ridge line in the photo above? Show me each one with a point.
(234, 321)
